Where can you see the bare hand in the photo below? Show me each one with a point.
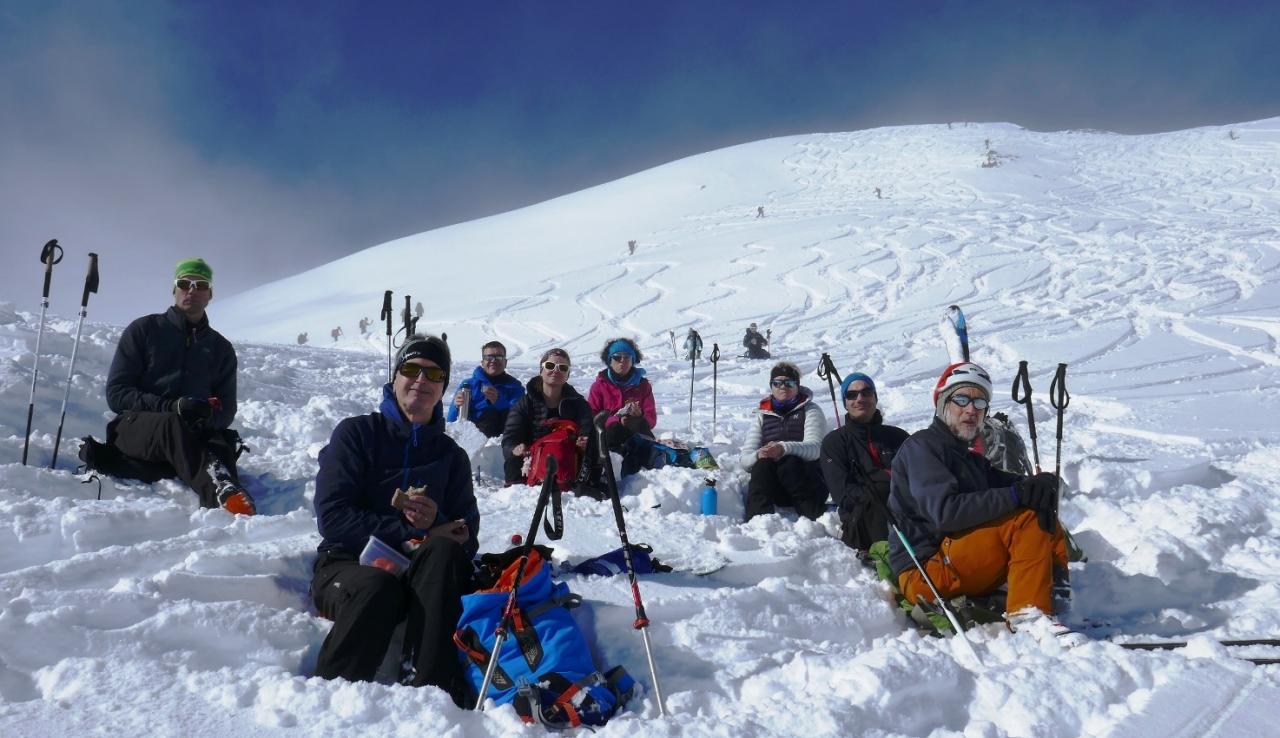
(458, 400)
(582, 442)
(771, 450)
(455, 530)
(490, 392)
(518, 449)
(420, 511)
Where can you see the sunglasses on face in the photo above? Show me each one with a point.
(780, 383)
(854, 394)
(412, 371)
(493, 358)
(200, 285)
(619, 358)
(964, 401)
(551, 366)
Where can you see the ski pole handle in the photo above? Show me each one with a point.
(715, 352)
(50, 254)
(90, 280)
(386, 310)
(1058, 395)
(1023, 383)
(408, 324)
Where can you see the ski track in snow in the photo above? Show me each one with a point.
(1150, 264)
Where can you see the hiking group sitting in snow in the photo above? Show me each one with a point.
(395, 476)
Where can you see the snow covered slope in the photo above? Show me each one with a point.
(1149, 264)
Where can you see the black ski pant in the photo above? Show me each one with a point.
(863, 522)
(789, 481)
(366, 604)
(491, 422)
(162, 438)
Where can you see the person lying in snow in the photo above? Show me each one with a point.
(172, 385)
(781, 448)
(856, 462)
(369, 457)
(973, 527)
(489, 392)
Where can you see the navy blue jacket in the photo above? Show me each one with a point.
(162, 357)
(369, 457)
(509, 390)
(940, 487)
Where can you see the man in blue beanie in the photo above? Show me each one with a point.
(856, 461)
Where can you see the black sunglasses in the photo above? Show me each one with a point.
(551, 366)
(619, 357)
(200, 285)
(784, 383)
(854, 394)
(411, 371)
(493, 358)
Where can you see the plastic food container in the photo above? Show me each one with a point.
(380, 555)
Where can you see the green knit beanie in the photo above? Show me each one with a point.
(195, 267)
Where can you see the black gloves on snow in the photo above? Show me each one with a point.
(193, 410)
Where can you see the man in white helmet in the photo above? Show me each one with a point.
(972, 526)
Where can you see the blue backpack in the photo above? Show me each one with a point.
(545, 668)
(614, 562)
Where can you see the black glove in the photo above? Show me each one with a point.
(193, 410)
(1038, 492)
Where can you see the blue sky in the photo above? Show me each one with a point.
(276, 136)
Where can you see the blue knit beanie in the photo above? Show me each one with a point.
(844, 386)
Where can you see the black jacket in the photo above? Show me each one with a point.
(162, 357)
(369, 457)
(940, 487)
(524, 422)
(852, 474)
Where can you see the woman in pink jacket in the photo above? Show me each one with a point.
(621, 390)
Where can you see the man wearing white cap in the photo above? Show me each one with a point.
(972, 527)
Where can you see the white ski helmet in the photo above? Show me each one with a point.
(956, 376)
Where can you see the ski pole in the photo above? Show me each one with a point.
(409, 320)
(1059, 398)
(715, 359)
(674, 354)
(386, 315)
(1023, 383)
(951, 617)
(642, 621)
(550, 492)
(90, 285)
(693, 369)
(50, 254)
(827, 371)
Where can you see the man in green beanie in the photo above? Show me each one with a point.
(172, 385)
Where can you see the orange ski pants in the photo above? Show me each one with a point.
(1013, 548)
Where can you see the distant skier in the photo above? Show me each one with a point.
(631, 247)
(692, 346)
(878, 195)
(418, 310)
(364, 326)
(759, 211)
(335, 333)
(302, 338)
(755, 343)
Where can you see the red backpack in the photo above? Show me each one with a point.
(560, 441)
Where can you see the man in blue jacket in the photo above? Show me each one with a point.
(972, 527)
(369, 457)
(489, 392)
(172, 384)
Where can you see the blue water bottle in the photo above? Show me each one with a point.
(709, 496)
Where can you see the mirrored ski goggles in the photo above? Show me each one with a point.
(617, 358)
(199, 285)
(493, 358)
(978, 403)
(551, 366)
(780, 383)
(854, 394)
(412, 371)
